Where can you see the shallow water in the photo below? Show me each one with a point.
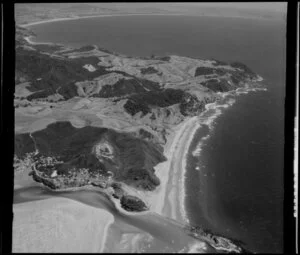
(165, 234)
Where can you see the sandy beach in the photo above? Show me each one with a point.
(168, 198)
(175, 201)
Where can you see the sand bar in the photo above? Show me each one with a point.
(59, 225)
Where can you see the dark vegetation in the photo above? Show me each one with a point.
(148, 70)
(208, 70)
(81, 49)
(204, 71)
(128, 86)
(23, 144)
(48, 75)
(54, 73)
(118, 191)
(220, 71)
(137, 159)
(235, 80)
(240, 76)
(132, 203)
(144, 101)
(45, 181)
(133, 160)
(217, 86)
(245, 68)
(191, 106)
(134, 106)
(49, 48)
(144, 134)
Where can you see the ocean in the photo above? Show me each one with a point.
(234, 177)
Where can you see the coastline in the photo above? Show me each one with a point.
(96, 16)
(175, 189)
(172, 172)
(175, 150)
(133, 14)
(169, 198)
(28, 39)
(170, 191)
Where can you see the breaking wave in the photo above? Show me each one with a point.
(207, 118)
(213, 110)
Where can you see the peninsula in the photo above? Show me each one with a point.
(94, 119)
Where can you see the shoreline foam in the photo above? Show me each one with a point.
(208, 121)
(229, 102)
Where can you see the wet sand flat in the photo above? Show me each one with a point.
(59, 225)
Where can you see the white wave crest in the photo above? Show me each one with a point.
(203, 119)
(216, 107)
(198, 149)
(209, 121)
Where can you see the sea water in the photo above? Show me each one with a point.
(234, 175)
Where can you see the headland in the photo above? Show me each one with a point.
(90, 117)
